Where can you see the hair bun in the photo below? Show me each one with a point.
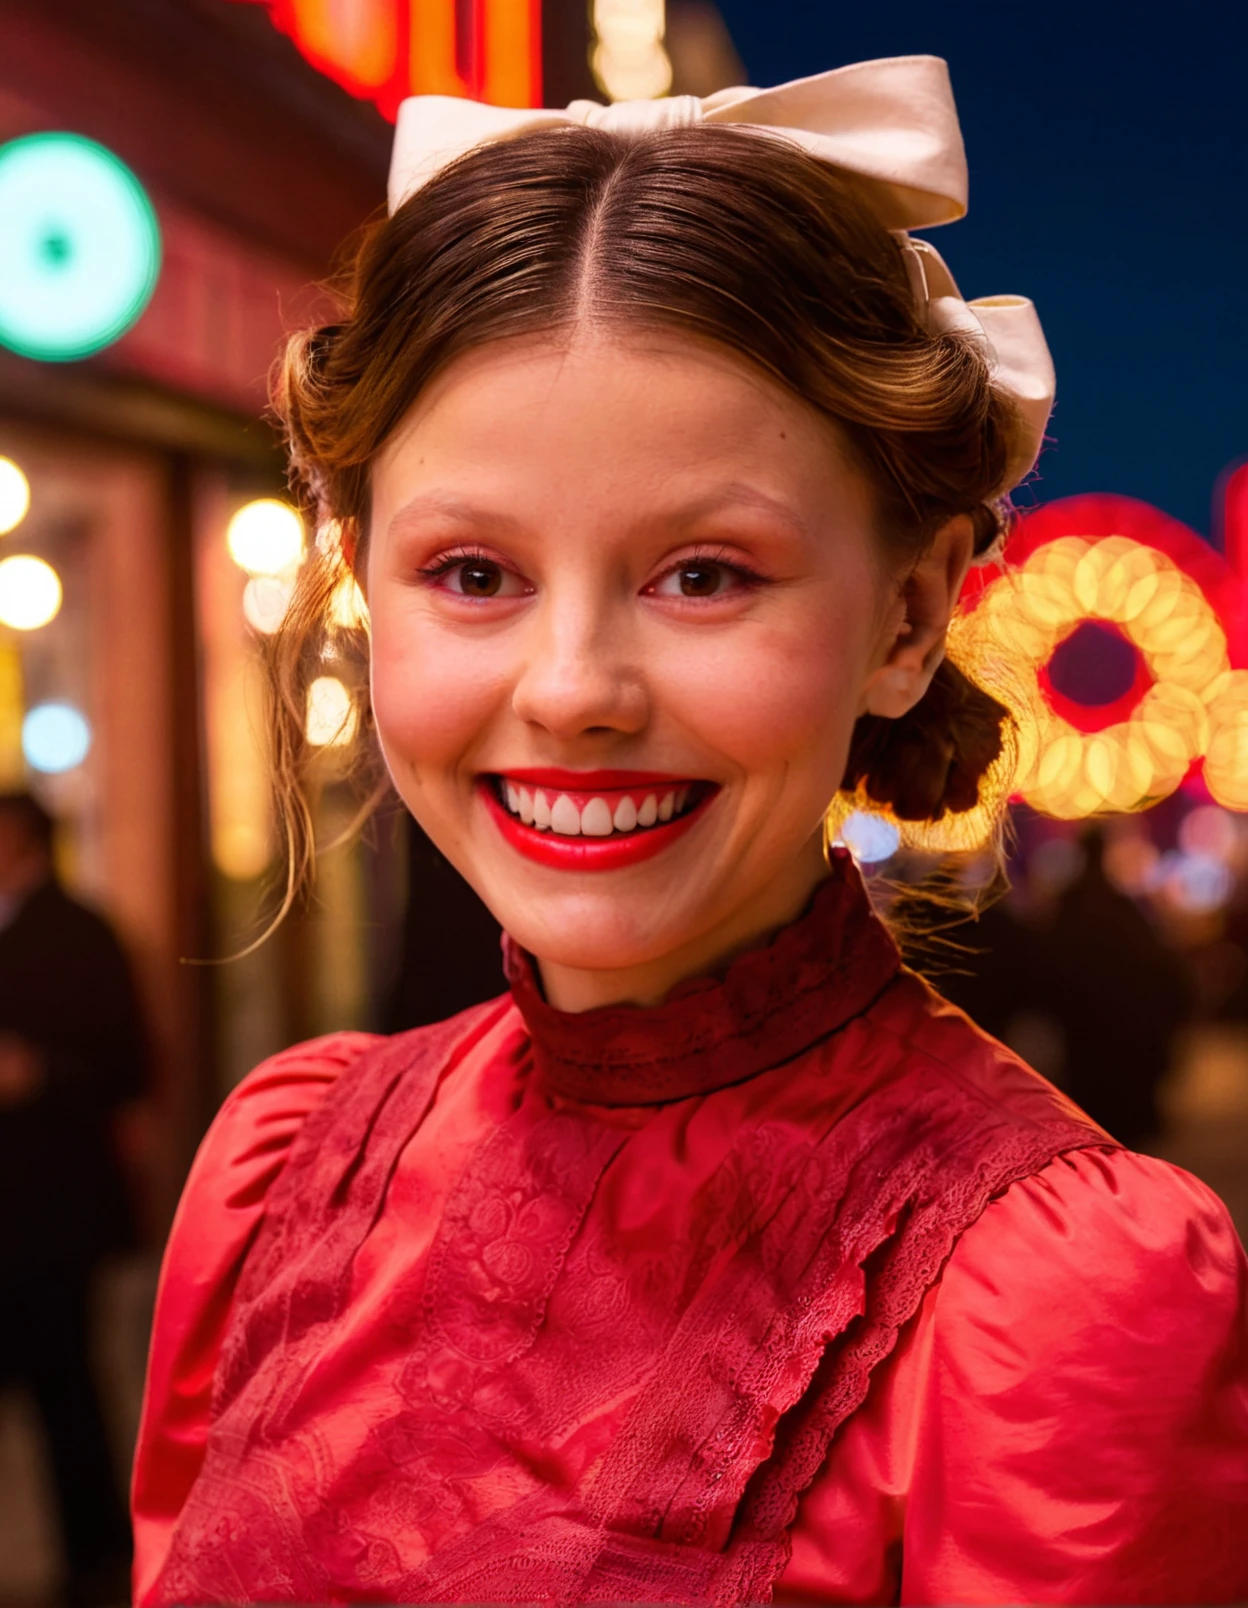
(930, 761)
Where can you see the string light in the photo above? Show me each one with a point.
(628, 57)
(329, 539)
(347, 608)
(14, 496)
(265, 537)
(30, 592)
(331, 714)
(265, 601)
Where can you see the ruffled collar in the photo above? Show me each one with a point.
(770, 1005)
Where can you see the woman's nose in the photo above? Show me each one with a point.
(581, 676)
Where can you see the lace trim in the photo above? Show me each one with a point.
(896, 1289)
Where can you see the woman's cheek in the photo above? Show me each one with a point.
(433, 696)
(768, 699)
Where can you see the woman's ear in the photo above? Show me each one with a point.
(913, 642)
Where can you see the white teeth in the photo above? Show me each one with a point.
(565, 818)
(596, 818)
(535, 809)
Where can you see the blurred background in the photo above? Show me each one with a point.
(176, 177)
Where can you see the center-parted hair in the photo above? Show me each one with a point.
(722, 233)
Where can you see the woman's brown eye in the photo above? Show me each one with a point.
(480, 580)
(699, 580)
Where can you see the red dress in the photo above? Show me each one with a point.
(797, 1281)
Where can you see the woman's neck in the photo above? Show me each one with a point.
(571, 988)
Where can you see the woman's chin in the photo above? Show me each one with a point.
(596, 931)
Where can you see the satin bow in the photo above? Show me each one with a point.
(891, 125)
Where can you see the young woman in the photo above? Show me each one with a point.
(719, 1256)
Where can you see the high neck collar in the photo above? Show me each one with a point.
(770, 1005)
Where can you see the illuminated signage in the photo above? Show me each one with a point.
(1181, 612)
(385, 50)
(1174, 609)
(79, 247)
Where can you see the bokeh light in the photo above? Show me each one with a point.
(331, 713)
(329, 539)
(869, 837)
(1207, 829)
(629, 59)
(1131, 864)
(79, 247)
(347, 608)
(1197, 884)
(265, 537)
(265, 601)
(14, 496)
(30, 592)
(55, 738)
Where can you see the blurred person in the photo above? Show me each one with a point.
(1121, 996)
(720, 1256)
(73, 1049)
(995, 971)
(987, 965)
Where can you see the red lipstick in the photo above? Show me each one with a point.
(564, 852)
(595, 781)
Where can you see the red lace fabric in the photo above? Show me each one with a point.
(625, 1331)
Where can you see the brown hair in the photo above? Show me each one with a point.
(730, 235)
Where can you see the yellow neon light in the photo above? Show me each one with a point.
(1196, 706)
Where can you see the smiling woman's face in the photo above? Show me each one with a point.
(626, 607)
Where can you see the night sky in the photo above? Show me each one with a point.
(1108, 148)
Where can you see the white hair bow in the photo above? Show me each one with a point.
(891, 125)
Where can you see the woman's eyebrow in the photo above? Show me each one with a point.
(450, 505)
(705, 505)
(735, 494)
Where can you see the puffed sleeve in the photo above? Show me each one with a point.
(1082, 1429)
(215, 1224)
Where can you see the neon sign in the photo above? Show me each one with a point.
(385, 50)
(79, 247)
(1176, 608)
(1177, 611)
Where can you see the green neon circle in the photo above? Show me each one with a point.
(79, 247)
